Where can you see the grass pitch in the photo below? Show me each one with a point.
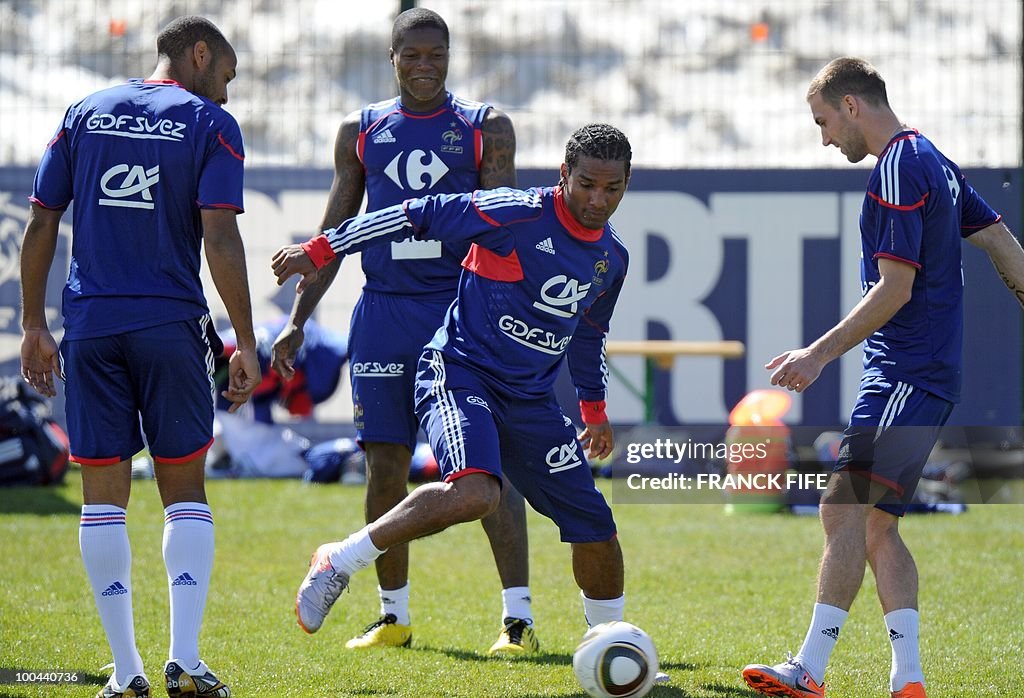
(715, 592)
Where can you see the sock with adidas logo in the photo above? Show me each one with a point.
(103, 540)
(188, 557)
(902, 626)
(822, 635)
(516, 603)
(395, 602)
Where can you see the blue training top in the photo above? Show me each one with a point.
(917, 209)
(537, 284)
(408, 154)
(139, 160)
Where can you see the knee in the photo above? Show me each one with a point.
(882, 529)
(841, 518)
(478, 496)
(387, 466)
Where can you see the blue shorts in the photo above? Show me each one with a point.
(472, 429)
(164, 373)
(386, 338)
(892, 431)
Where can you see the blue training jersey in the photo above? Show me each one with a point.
(139, 160)
(536, 284)
(407, 154)
(917, 210)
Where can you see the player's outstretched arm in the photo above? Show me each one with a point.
(226, 256)
(343, 202)
(39, 361)
(1006, 254)
(797, 369)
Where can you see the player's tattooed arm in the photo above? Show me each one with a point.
(349, 183)
(343, 202)
(1006, 254)
(498, 165)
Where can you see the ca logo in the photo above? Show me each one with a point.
(561, 292)
(415, 168)
(137, 181)
(563, 457)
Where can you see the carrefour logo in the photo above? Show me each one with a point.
(416, 166)
(560, 296)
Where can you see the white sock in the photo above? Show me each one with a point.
(599, 611)
(103, 540)
(902, 625)
(515, 603)
(355, 552)
(822, 635)
(188, 557)
(396, 602)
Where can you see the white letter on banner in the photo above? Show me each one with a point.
(674, 300)
(775, 225)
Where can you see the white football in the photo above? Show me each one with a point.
(616, 660)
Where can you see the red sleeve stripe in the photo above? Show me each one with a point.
(231, 207)
(885, 203)
(361, 146)
(37, 202)
(983, 225)
(230, 149)
(56, 138)
(483, 215)
(883, 255)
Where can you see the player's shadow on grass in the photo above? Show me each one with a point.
(721, 690)
(467, 656)
(43, 501)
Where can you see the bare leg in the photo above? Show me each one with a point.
(434, 507)
(506, 531)
(107, 484)
(891, 561)
(181, 482)
(387, 472)
(598, 569)
(845, 556)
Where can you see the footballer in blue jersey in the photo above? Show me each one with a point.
(917, 210)
(154, 168)
(540, 282)
(425, 141)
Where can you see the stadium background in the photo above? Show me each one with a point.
(740, 225)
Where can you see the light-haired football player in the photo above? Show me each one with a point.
(918, 209)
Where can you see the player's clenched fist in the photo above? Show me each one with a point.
(291, 260)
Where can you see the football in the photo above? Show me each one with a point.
(616, 660)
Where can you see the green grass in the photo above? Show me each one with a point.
(714, 591)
